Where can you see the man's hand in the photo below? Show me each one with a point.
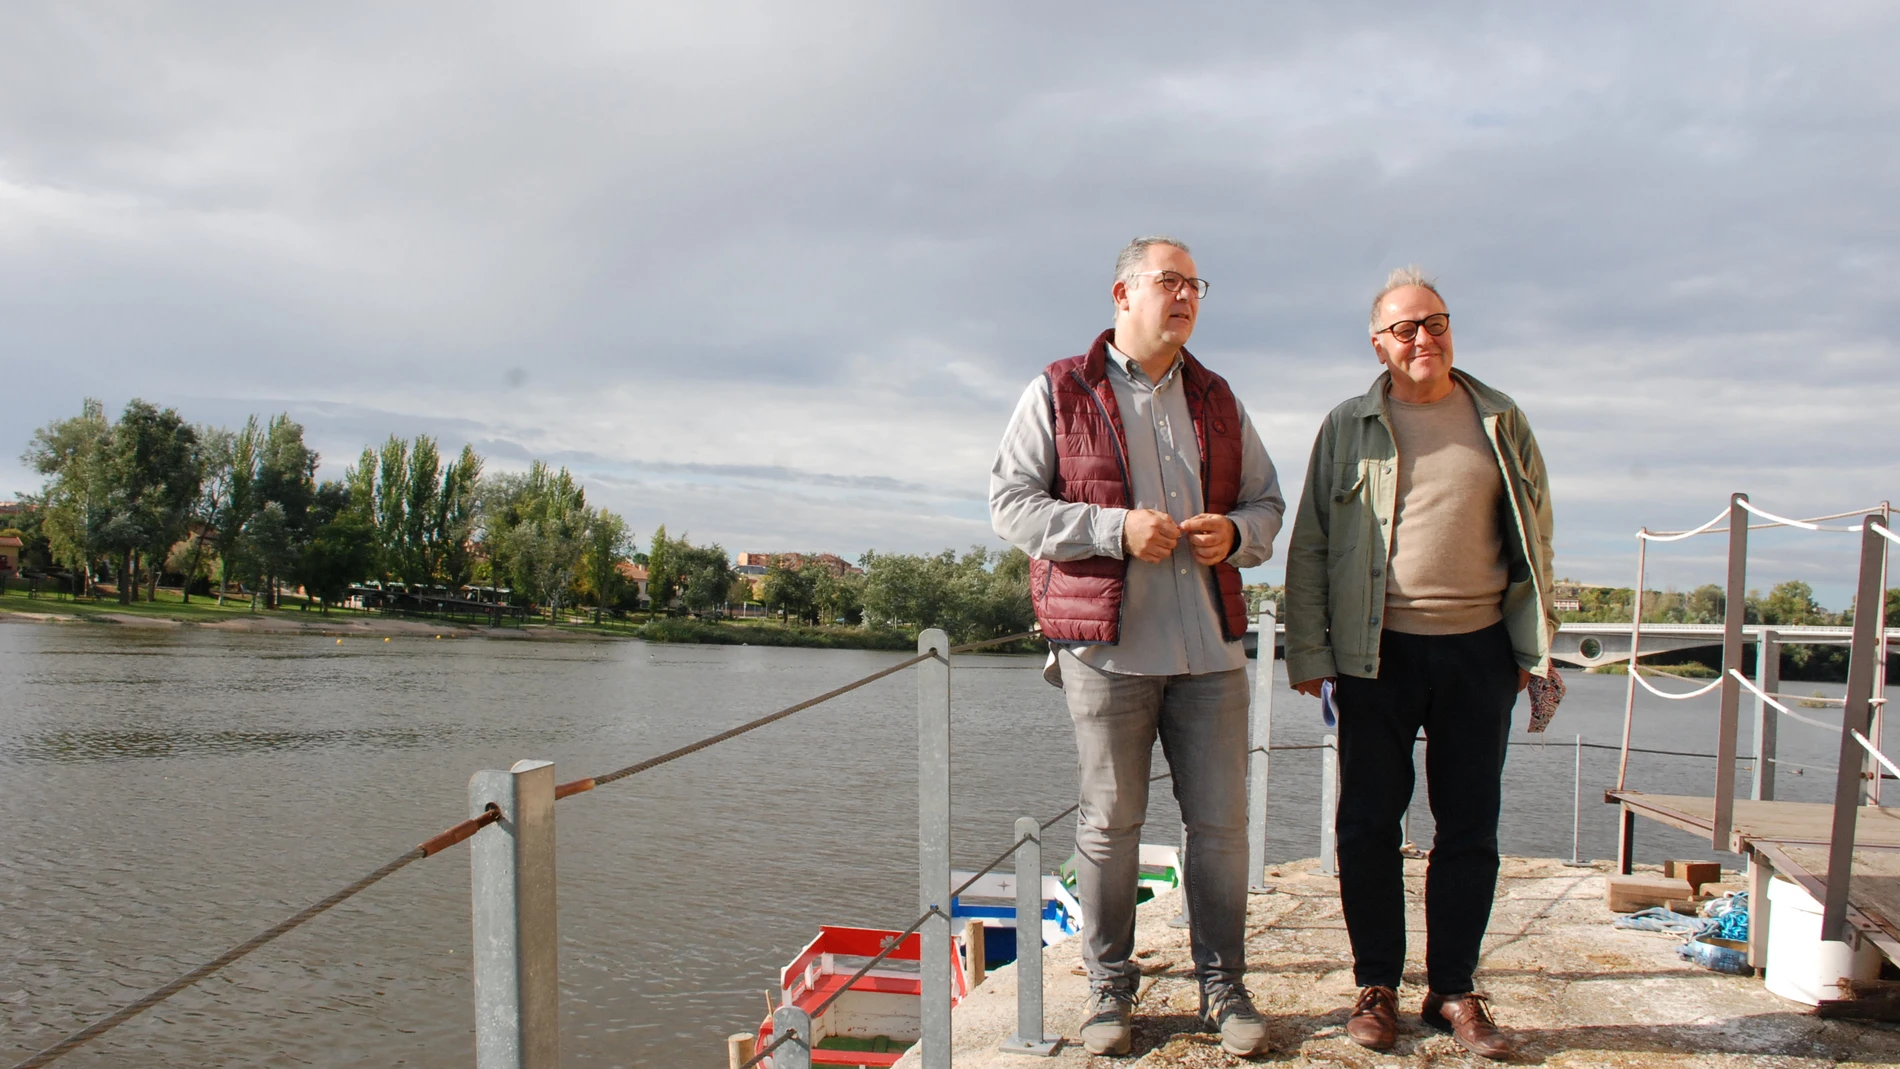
(1210, 536)
(1310, 688)
(1523, 680)
(1149, 535)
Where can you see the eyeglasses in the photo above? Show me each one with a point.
(1407, 329)
(1172, 281)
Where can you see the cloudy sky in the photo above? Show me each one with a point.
(775, 273)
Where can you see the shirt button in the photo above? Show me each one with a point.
(1368, 668)
(1375, 573)
(1173, 494)
(1387, 469)
(1184, 571)
(1168, 458)
(1382, 521)
(1374, 621)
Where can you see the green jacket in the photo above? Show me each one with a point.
(1342, 537)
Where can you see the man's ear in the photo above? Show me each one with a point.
(1377, 351)
(1119, 294)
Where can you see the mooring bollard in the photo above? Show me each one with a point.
(1029, 1037)
(795, 1053)
(517, 938)
(1328, 805)
(740, 1047)
(974, 952)
(1257, 753)
(933, 843)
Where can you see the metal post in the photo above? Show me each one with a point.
(1733, 616)
(1854, 717)
(1576, 811)
(1767, 723)
(517, 940)
(1257, 756)
(1029, 1037)
(1636, 637)
(740, 1047)
(796, 1053)
(933, 843)
(1329, 805)
(1877, 735)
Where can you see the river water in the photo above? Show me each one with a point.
(170, 793)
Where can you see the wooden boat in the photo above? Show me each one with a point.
(873, 1023)
(992, 900)
(1160, 871)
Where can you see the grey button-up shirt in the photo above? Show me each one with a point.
(1170, 610)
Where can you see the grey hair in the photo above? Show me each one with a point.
(1401, 277)
(1135, 254)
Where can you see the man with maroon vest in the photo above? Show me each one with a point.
(1136, 483)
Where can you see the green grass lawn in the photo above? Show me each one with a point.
(170, 605)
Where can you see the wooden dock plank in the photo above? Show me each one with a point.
(1877, 827)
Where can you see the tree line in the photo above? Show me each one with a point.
(150, 495)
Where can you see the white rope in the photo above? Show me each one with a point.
(1674, 697)
(1884, 533)
(1805, 525)
(1812, 523)
(1763, 695)
(1878, 756)
(1677, 536)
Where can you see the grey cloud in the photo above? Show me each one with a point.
(1666, 230)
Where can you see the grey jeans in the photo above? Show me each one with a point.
(1201, 721)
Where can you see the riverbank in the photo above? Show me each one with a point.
(1570, 988)
(237, 615)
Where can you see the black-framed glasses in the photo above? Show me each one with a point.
(1405, 330)
(1172, 281)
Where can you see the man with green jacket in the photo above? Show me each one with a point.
(1419, 583)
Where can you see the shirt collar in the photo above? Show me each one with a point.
(1132, 369)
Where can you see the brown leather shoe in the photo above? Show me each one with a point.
(1375, 1018)
(1468, 1019)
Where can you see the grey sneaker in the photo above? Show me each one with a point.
(1108, 1024)
(1229, 1009)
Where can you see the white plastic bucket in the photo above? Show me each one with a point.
(1802, 967)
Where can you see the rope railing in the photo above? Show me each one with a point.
(1872, 749)
(458, 833)
(1685, 696)
(1805, 525)
(1886, 534)
(1784, 710)
(1774, 521)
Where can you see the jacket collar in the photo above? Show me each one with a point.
(1489, 402)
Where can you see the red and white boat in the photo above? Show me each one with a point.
(880, 1017)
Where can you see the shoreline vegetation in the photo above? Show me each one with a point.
(293, 617)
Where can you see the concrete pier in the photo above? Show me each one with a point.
(1573, 990)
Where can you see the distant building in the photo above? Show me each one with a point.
(10, 548)
(635, 574)
(831, 562)
(1567, 604)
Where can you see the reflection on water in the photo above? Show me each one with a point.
(169, 794)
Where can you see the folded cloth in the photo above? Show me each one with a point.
(1546, 692)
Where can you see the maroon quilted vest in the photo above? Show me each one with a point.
(1081, 600)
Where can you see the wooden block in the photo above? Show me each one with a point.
(1627, 894)
(1696, 872)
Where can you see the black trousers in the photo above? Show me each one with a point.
(1460, 690)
